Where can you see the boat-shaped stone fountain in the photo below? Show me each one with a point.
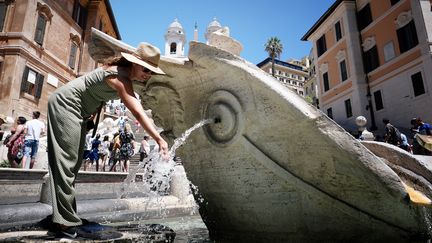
(272, 168)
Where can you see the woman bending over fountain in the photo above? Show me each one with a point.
(68, 110)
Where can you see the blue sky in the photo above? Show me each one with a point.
(251, 22)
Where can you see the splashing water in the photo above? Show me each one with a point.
(157, 171)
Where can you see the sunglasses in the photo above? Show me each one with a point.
(146, 70)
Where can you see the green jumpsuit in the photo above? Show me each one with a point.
(68, 109)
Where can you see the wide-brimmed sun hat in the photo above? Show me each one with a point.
(145, 55)
(3, 118)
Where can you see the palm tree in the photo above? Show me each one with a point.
(274, 48)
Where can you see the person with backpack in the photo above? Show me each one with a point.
(392, 134)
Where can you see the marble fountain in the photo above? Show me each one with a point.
(273, 168)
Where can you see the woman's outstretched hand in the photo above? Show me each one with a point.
(163, 149)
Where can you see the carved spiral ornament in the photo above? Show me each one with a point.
(225, 107)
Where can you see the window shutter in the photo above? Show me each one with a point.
(348, 108)
(326, 82)
(321, 45)
(364, 17)
(72, 56)
(3, 8)
(379, 105)
(24, 83)
(338, 31)
(407, 37)
(40, 30)
(417, 82)
(371, 59)
(39, 84)
(83, 18)
(75, 12)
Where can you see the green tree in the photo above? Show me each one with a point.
(274, 48)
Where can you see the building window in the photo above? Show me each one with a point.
(364, 17)
(348, 108)
(378, 100)
(321, 45)
(343, 70)
(371, 59)
(326, 82)
(79, 14)
(3, 11)
(389, 52)
(72, 55)
(417, 82)
(40, 29)
(173, 48)
(393, 2)
(330, 113)
(32, 82)
(338, 31)
(407, 37)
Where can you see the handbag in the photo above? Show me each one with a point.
(18, 147)
(20, 153)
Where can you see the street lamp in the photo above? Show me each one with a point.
(370, 108)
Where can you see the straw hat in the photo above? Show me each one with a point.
(3, 118)
(145, 55)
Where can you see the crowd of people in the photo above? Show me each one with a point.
(110, 153)
(113, 154)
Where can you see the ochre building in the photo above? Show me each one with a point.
(374, 58)
(43, 45)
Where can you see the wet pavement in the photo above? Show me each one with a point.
(190, 229)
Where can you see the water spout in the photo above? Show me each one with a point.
(217, 120)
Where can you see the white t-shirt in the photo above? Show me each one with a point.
(87, 142)
(34, 129)
(145, 147)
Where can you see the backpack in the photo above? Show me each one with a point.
(397, 134)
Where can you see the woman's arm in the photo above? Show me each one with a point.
(19, 130)
(125, 91)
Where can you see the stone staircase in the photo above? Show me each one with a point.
(134, 161)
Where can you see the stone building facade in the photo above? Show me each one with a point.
(310, 86)
(293, 74)
(44, 46)
(373, 58)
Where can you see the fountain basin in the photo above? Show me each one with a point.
(25, 198)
